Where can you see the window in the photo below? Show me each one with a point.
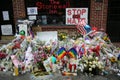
(52, 12)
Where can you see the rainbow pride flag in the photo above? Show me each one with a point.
(72, 53)
(61, 53)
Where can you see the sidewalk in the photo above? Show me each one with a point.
(28, 76)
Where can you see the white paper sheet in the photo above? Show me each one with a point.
(47, 36)
(6, 29)
(5, 15)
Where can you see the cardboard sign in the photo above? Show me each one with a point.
(75, 15)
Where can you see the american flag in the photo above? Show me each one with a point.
(81, 27)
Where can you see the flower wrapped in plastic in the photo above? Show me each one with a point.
(91, 64)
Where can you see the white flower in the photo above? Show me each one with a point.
(93, 66)
(90, 57)
(90, 62)
(90, 69)
(86, 61)
(94, 62)
(100, 63)
(85, 65)
(100, 67)
(96, 58)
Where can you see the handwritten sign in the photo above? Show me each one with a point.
(75, 15)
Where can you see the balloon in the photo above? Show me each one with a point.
(22, 32)
(87, 28)
(53, 59)
(94, 28)
(119, 57)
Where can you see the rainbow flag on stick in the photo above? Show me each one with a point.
(72, 53)
(61, 53)
(82, 51)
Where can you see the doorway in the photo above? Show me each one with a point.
(6, 18)
(113, 20)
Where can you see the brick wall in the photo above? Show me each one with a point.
(98, 14)
(18, 9)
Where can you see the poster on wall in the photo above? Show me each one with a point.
(5, 15)
(32, 17)
(6, 29)
(32, 11)
(75, 15)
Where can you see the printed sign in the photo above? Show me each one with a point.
(5, 15)
(6, 29)
(32, 11)
(75, 15)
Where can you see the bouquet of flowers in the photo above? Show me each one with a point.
(91, 64)
(62, 36)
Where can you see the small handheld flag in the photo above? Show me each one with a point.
(82, 51)
(61, 53)
(83, 28)
(72, 53)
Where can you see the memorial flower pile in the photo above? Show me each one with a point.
(90, 52)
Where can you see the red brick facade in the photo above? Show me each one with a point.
(98, 12)
(18, 9)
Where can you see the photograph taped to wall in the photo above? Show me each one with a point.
(5, 15)
(32, 17)
(6, 29)
(32, 11)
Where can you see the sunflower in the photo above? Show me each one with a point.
(113, 59)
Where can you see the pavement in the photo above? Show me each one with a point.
(29, 76)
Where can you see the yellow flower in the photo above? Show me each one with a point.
(113, 59)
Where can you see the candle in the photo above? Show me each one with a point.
(67, 65)
(72, 68)
(16, 73)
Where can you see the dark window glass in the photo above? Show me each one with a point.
(52, 12)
